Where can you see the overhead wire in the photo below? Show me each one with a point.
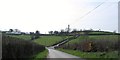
(88, 12)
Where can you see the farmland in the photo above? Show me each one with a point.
(25, 37)
(103, 37)
(42, 40)
(48, 40)
(92, 46)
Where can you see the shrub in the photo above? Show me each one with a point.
(93, 46)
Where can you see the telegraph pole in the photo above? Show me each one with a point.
(68, 28)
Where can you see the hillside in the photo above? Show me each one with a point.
(48, 40)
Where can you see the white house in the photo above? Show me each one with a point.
(16, 31)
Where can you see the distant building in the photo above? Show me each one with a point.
(16, 32)
(13, 32)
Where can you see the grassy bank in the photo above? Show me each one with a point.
(92, 55)
(93, 43)
(102, 46)
(41, 55)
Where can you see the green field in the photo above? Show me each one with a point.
(100, 33)
(25, 37)
(48, 40)
(43, 40)
(104, 37)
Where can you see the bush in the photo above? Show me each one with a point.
(93, 46)
(104, 45)
(18, 49)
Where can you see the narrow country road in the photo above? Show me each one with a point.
(57, 55)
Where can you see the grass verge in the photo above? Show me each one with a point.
(41, 55)
(92, 55)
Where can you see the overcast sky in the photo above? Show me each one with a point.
(47, 15)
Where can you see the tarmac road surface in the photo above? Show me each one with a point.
(58, 55)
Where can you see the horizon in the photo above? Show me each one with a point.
(14, 30)
(32, 15)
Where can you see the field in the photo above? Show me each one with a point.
(103, 37)
(48, 40)
(100, 32)
(25, 37)
(42, 40)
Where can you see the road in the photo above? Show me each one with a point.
(57, 55)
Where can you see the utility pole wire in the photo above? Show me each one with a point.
(90, 11)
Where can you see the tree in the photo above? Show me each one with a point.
(62, 31)
(76, 33)
(74, 30)
(32, 35)
(62, 34)
(56, 32)
(91, 29)
(16, 30)
(10, 30)
(37, 33)
(99, 30)
(80, 29)
(50, 32)
(23, 33)
(114, 32)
